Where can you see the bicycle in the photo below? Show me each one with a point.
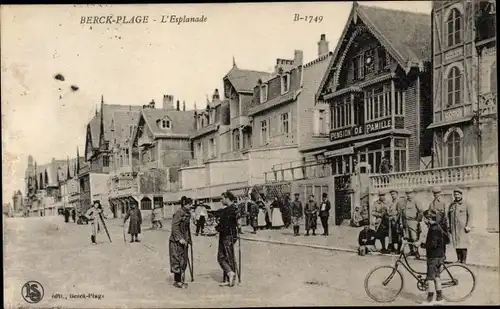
(449, 278)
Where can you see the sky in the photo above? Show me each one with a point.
(131, 64)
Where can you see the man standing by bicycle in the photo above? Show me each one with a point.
(411, 215)
(435, 247)
(380, 214)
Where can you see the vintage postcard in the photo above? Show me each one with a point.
(250, 154)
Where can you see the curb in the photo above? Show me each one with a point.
(285, 243)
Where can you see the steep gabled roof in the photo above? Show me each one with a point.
(405, 35)
(244, 80)
(122, 121)
(182, 122)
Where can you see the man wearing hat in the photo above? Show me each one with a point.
(297, 213)
(380, 212)
(180, 238)
(438, 204)
(411, 216)
(394, 213)
(460, 223)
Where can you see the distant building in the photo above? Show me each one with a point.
(148, 154)
(100, 141)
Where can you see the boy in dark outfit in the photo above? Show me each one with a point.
(366, 240)
(180, 239)
(435, 246)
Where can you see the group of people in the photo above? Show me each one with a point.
(67, 213)
(180, 239)
(402, 217)
(285, 213)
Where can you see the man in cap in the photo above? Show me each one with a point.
(366, 240)
(439, 205)
(324, 213)
(311, 214)
(460, 223)
(411, 214)
(180, 238)
(394, 213)
(297, 212)
(379, 213)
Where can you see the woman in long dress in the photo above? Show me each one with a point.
(277, 218)
(261, 217)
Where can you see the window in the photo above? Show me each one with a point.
(263, 93)
(105, 161)
(199, 150)
(284, 128)
(263, 132)
(454, 82)
(285, 83)
(165, 124)
(454, 27)
(154, 153)
(323, 126)
(341, 112)
(213, 147)
(453, 147)
(126, 157)
(358, 67)
(369, 65)
(378, 103)
(236, 134)
(399, 155)
(382, 58)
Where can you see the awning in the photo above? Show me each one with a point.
(361, 144)
(315, 153)
(339, 152)
(449, 123)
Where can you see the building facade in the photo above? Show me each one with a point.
(148, 156)
(465, 83)
(100, 145)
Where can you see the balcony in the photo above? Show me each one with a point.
(309, 170)
(456, 175)
(488, 104)
(240, 121)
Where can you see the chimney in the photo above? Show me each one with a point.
(178, 105)
(216, 95)
(298, 57)
(152, 104)
(168, 102)
(322, 45)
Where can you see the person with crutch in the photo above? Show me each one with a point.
(228, 236)
(180, 238)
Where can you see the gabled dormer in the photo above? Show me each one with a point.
(164, 123)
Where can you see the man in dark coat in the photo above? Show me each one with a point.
(253, 212)
(180, 239)
(134, 227)
(228, 235)
(324, 213)
(286, 211)
(66, 215)
(73, 215)
(297, 212)
(311, 212)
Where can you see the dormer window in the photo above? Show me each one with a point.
(285, 83)
(165, 124)
(263, 93)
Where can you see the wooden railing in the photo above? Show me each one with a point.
(456, 175)
(307, 171)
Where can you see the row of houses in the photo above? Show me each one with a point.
(418, 90)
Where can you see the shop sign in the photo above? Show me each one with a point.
(345, 133)
(378, 126)
(368, 128)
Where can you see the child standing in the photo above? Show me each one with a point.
(435, 246)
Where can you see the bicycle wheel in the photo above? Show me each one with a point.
(384, 283)
(458, 282)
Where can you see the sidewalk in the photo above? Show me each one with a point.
(483, 251)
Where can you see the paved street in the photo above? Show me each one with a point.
(61, 258)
